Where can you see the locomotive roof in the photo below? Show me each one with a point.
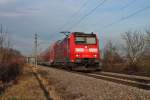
(83, 34)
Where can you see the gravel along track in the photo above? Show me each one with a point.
(72, 86)
(131, 80)
(128, 77)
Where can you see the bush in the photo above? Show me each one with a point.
(9, 71)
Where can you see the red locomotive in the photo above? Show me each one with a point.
(77, 51)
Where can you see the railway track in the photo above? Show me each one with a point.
(130, 80)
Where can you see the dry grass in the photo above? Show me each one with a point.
(141, 69)
(31, 86)
(27, 87)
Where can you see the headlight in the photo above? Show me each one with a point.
(79, 49)
(95, 55)
(93, 50)
(77, 55)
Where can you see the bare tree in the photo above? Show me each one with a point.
(1, 44)
(147, 48)
(11, 60)
(4, 46)
(135, 45)
(148, 36)
(111, 55)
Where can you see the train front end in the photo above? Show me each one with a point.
(84, 49)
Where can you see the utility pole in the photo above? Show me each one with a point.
(35, 50)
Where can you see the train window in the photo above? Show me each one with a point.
(85, 40)
(80, 40)
(91, 40)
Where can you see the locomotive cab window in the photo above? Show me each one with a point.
(85, 40)
(80, 40)
(91, 40)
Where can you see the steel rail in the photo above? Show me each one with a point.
(136, 81)
(129, 80)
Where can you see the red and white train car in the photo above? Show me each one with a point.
(78, 50)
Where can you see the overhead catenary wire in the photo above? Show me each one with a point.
(127, 17)
(128, 4)
(121, 19)
(74, 14)
(87, 14)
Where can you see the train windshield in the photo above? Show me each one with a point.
(85, 40)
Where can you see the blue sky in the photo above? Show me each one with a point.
(23, 18)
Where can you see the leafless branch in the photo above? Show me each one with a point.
(111, 54)
(135, 45)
